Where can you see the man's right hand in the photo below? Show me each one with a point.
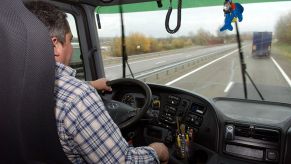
(101, 84)
(162, 151)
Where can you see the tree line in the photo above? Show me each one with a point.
(283, 29)
(138, 43)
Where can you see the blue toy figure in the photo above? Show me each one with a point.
(232, 12)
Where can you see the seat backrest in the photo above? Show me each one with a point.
(28, 132)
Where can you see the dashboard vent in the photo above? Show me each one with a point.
(266, 134)
(242, 130)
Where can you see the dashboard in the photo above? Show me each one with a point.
(222, 130)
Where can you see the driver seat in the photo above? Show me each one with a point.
(27, 121)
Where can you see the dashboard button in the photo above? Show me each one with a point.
(229, 132)
(197, 123)
(272, 155)
(174, 100)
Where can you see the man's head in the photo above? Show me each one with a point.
(58, 26)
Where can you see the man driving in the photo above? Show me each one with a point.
(86, 131)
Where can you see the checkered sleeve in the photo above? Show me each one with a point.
(97, 137)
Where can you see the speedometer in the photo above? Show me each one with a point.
(129, 100)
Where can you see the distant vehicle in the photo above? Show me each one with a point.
(262, 44)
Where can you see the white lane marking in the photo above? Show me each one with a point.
(228, 86)
(144, 60)
(173, 64)
(282, 72)
(160, 62)
(118, 65)
(198, 69)
(231, 76)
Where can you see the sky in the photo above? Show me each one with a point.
(257, 17)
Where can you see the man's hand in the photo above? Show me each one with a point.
(100, 84)
(162, 152)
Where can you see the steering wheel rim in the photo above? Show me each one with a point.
(113, 106)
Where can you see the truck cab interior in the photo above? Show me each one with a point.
(237, 127)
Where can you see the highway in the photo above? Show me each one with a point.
(218, 76)
(168, 58)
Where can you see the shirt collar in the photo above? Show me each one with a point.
(62, 69)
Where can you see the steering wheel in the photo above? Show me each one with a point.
(122, 114)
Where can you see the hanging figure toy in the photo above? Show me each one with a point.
(232, 13)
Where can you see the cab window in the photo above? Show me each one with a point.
(76, 61)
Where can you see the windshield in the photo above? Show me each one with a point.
(199, 57)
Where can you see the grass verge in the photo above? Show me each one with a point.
(283, 49)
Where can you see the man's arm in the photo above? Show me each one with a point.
(98, 138)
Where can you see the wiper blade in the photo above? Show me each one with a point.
(244, 67)
(260, 94)
(242, 61)
(123, 45)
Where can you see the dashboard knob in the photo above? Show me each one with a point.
(229, 132)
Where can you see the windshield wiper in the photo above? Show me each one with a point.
(244, 67)
(123, 45)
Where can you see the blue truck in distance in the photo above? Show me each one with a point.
(262, 42)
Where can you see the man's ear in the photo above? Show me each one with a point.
(56, 46)
(54, 41)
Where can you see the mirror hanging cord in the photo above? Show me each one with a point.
(178, 17)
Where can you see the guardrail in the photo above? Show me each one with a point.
(162, 71)
(115, 60)
(157, 72)
(170, 70)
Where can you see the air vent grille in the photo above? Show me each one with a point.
(242, 130)
(265, 134)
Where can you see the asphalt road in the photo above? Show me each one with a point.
(220, 76)
(224, 78)
(148, 64)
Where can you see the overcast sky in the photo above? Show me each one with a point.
(257, 17)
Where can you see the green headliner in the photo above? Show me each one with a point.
(150, 6)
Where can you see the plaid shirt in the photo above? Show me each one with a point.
(86, 131)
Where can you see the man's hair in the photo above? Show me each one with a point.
(51, 17)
